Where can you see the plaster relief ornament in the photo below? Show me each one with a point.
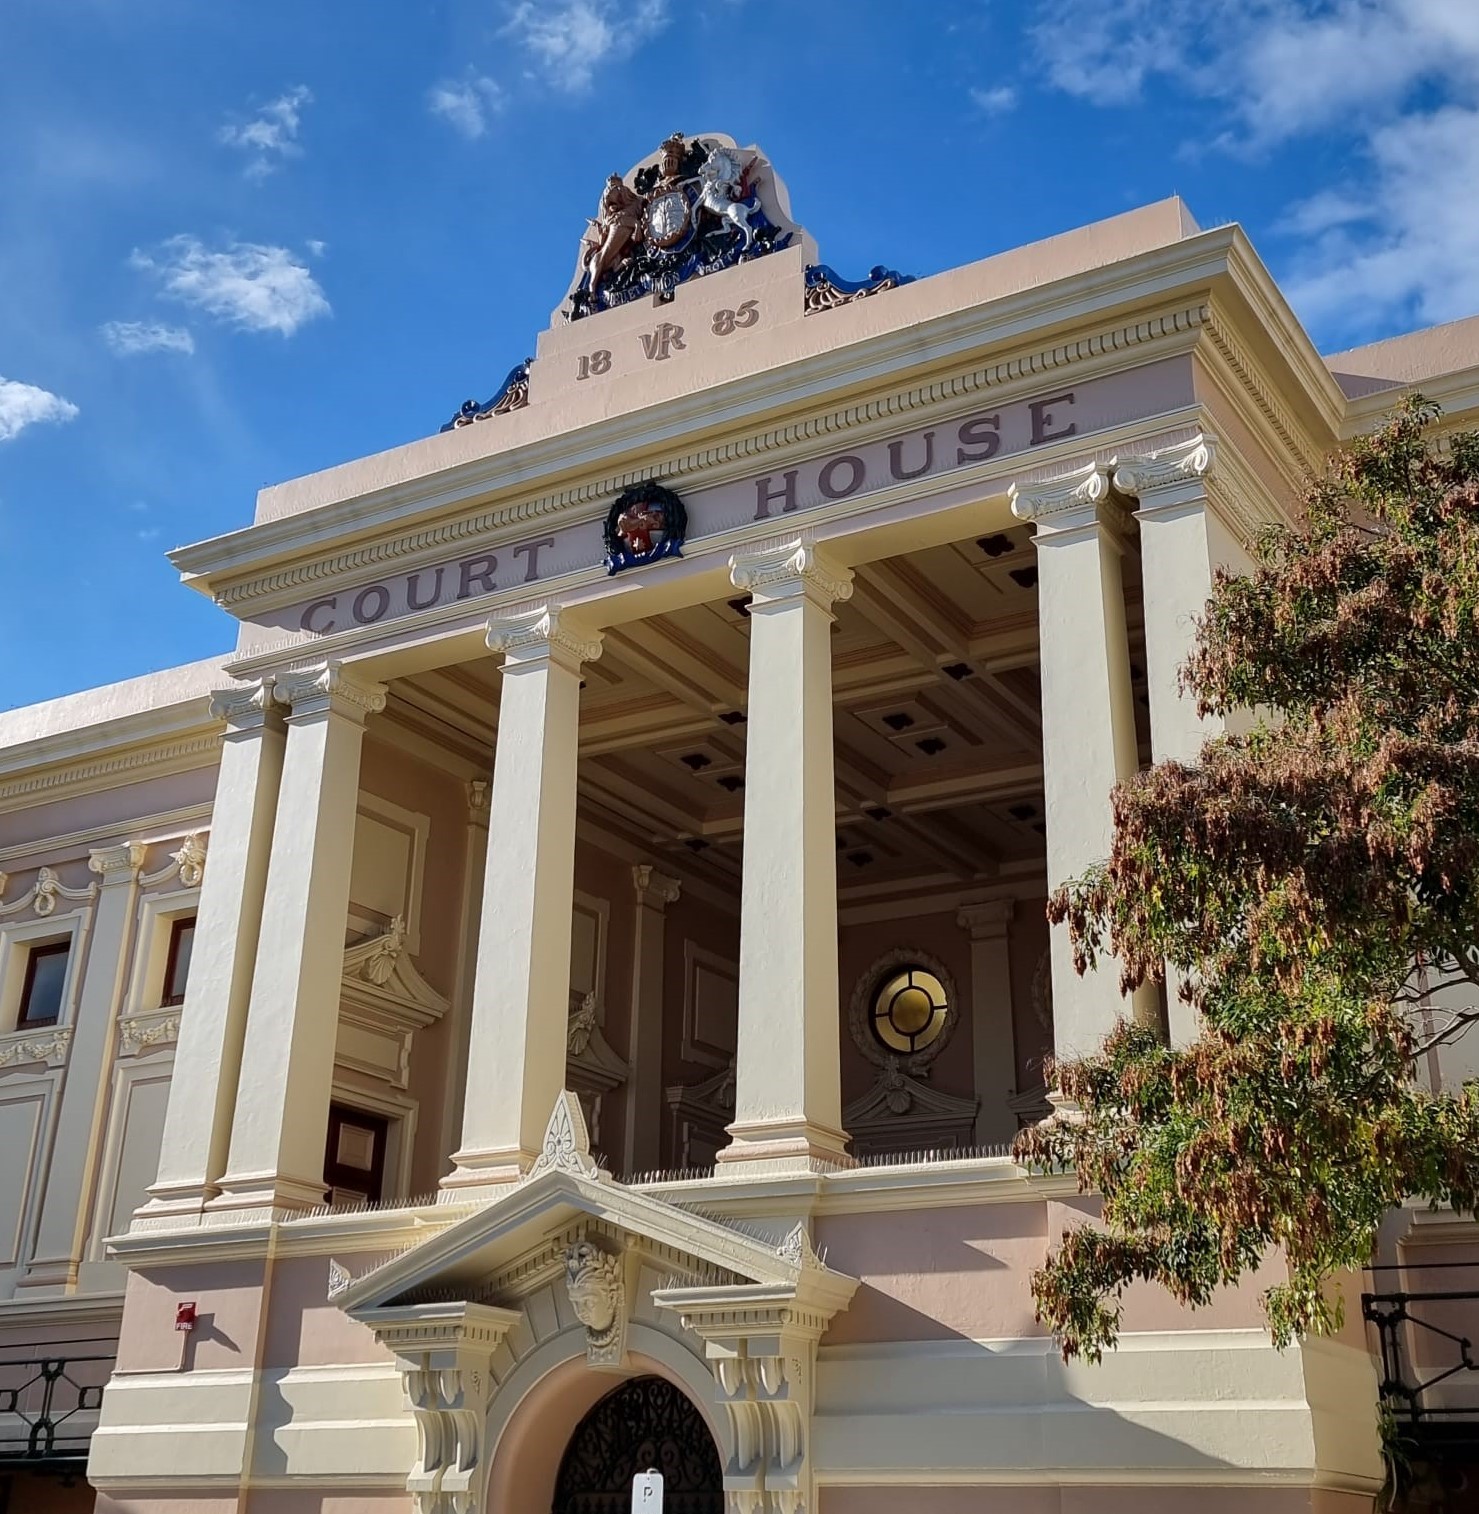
(593, 1279)
(695, 210)
(643, 525)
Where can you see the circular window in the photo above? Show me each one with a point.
(910, 1008)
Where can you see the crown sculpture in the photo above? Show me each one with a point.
(693, 211)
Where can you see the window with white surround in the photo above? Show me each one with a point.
(40, 970)
(162, 961)
(43, 989)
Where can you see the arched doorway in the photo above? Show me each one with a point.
(646, 1423)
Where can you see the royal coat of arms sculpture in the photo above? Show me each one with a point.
(643, 525)
(694, 211)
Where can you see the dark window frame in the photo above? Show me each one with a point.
(337, 1175)
(24, 1019)
(169, 1000)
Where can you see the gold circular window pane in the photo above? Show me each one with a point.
(909, 1010)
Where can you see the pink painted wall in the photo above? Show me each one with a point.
(395, 775)
(935, 1274)
(1085, 1500)
(1029, 940)
(939, 1274)
(120, 806)
(715, 930)
(36, 1494)
(303, 1328)
(603, 876)
(228, 1298)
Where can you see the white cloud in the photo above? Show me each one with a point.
(316, 249)
(23, 405)
(569, 39)
(272, 134)
(1395, 82)
(128, 338)
(245, 285)
(994, 102)
(467, 105)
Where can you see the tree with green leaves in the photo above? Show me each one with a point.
(1311, 882)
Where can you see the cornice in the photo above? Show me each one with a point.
(792, 441)
(1148, 279)
(1271, 312)
(48, 782)
(986, 478)
(1275, 413)
(165, 826)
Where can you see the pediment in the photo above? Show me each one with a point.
(380, 979)
(517, 1243)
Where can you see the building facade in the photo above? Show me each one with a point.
(558, 996)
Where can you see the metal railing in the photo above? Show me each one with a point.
(49, 1404)
(1426, 1331)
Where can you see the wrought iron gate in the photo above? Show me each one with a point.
(645, 1423)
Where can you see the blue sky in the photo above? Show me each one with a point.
(241, 242)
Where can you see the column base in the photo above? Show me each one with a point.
(46, 1279)
(783, 1146)
(172, 1206)
(482, 1175)
(259, 1198)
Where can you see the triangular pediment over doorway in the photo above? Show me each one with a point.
(516, 1243)
(570, 1261)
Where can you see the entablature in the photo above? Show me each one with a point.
(535, 500)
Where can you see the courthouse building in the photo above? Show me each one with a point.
(557, 998)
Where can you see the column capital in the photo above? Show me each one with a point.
(117, 864)
(544, 634)
(654, 889)
(326, 689)
(1169, 475)
(243, 706)
(1071, 500)
(789, 572)
(477, 792)
(988, 919)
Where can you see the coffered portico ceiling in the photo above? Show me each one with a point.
(768, 410)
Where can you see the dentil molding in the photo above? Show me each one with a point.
(719, 462)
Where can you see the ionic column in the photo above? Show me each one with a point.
(66, 1209)
(1182, 542)
(994, 1037)
(788, 1099)
(202, 1094)
(476, 866)
(1088, 717)
(655, 891)
(287, 1064)
(521, 994)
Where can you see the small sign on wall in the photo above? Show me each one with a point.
(647, 1493)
